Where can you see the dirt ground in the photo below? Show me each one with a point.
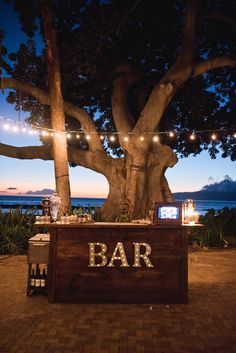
(206, 324)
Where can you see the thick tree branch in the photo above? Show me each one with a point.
(79, 114)
(187, 52)
(96, 161)
(126, 77)
(92, 160)
(164, 91)
(219, 17)
(30, 152)
(214, 63)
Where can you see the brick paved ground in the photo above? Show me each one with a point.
(207, 324)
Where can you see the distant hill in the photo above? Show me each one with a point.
(225, 190)
(40, 192)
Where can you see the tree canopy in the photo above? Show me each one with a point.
(97, 39)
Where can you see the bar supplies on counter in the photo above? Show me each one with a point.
(45, 203)
(42, 220)
(55, 205)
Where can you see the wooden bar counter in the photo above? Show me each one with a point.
(118, 263)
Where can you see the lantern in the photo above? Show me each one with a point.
(190, 214)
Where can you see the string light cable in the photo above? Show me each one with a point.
(20, 127)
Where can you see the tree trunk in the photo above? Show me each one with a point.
(60, 155)
(140, 183)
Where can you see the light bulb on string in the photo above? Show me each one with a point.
(15, 128)
(102, 137)
(234, 135)
(126, 138)
(171, 134)
(6, 126)
(68, 136)
(156, 138)
(77, 136)
(112, 138)
(88, 137)
(192, 136)
(141, 138)
(213, 136)
(23, 129)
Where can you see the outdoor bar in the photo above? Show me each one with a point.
(118, 263)
(121, 262)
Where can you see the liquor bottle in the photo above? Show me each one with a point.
(37, 277)
(32, 279)
(43, 280)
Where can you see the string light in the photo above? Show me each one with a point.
(155, 138)
(6, 126)
(11, 125)
(213, 136)
(192, 136)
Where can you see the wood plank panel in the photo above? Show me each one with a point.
(74, 281)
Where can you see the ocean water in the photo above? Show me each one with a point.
(14, 201)
(6, 202)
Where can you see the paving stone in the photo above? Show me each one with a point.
(206, 324)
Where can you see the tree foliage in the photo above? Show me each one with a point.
(96, 37)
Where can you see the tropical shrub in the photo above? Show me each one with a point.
(16, 227)
(218, 226)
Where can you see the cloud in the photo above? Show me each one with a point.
(227, 185)
(40, 192)
(11, 188)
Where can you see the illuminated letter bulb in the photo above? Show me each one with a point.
(122, 257)
(93, 254)
(143, 256)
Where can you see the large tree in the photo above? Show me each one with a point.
(134, 68)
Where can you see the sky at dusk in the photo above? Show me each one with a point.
(190, 174)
